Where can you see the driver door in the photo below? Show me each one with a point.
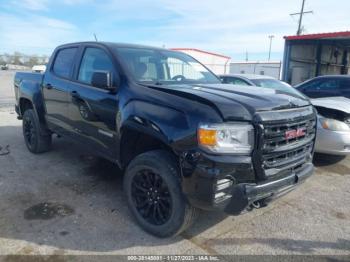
(92, 110)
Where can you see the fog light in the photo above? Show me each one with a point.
(221, 196)
(223, 183)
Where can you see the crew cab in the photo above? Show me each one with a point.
(185, 140)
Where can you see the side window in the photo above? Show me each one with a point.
(64, 61)
(328, 84)
(344, 84)
(236, 81)
(94, 60)
(331, 84)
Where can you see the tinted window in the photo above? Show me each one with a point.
(64, 61)
(345, 84)
(235, 81)
(94, 60)
(322, 84)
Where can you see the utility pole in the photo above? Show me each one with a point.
(270, 36)
(246, 56)
(302, 12)
(95, 37)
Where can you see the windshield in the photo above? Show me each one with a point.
(152, 66)
(276, 85)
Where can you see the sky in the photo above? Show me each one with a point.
(228, 27)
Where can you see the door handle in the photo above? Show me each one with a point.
(48, 86)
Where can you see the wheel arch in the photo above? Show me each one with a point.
(137, 140)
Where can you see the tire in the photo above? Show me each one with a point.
(152, 186)
(35, 141)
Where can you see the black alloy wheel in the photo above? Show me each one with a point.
(152, 185)
(36, 136)
(151, 197)
(30, 134)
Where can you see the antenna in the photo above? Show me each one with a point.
(95, 37)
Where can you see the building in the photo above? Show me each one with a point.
(215, 62)
(269, 68)
(307, 56)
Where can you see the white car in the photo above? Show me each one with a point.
(39, 68)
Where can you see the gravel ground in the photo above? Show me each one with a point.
(68, 202)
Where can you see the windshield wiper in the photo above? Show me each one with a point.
(157, 83)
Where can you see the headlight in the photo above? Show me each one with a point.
(334, 125)
(236, 138)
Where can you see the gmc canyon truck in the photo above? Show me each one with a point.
(185, 140)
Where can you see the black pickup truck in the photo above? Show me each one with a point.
(185, 140)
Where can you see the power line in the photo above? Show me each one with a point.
(301, 13)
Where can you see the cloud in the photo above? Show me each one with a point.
(35, 34)
(223, 26)
(77, 2)
(35, 5)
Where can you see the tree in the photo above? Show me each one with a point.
(33, 60)
(17, 58)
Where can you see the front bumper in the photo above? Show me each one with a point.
(201, 174)
(246, 194)
(332, 142)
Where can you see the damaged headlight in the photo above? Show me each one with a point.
(234, 138)
(334, 125)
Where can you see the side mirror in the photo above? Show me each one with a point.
(102, 79)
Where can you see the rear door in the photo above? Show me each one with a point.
(92, 110)
(322, 87)
(56, 86)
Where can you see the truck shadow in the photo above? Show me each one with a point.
(326, 160)
(84, 209)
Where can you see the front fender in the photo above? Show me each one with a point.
(167, 124)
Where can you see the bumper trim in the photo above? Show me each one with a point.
(245, 194)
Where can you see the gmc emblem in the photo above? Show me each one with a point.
(290, 134)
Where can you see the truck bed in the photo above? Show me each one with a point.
(33, 79)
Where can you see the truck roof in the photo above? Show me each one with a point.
(112, 45)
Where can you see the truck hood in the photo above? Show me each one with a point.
(339, 103)
(237, 102)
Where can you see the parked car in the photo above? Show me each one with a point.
(252, 80)
(39, 68)
(260, 81)
(333, 127)
(184, 140)
(326, 86)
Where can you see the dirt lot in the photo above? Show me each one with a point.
(68, 202)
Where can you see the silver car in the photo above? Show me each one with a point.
(333, 125)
